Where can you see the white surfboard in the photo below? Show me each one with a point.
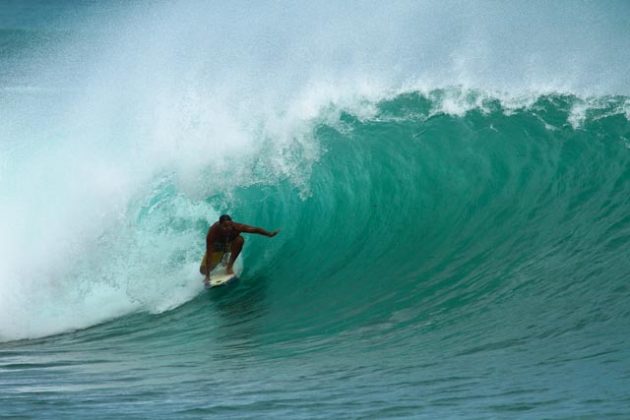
(219, 277)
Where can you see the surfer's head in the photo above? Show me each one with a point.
(225, 220)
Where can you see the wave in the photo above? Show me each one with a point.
(410, 206)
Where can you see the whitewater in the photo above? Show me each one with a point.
(451, 180)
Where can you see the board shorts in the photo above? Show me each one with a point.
(218, 251)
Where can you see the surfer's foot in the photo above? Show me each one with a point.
(229, 270)
(206, 282)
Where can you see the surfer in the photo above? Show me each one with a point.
(225, 236)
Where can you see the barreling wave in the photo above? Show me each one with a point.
(439, 206)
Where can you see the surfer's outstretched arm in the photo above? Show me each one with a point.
(256, 230)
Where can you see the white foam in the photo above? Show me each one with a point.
(578, 114)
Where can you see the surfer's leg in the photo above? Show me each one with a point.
(206, 268)
(215, 259)
(203, 268)
(237, 246)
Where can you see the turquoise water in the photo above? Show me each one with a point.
(455, 214)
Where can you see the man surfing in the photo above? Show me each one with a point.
(225, 236)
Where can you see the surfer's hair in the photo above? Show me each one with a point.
(225, 217)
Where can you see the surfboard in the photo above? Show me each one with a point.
(219, 278)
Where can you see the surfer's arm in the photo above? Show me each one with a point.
(256, 230)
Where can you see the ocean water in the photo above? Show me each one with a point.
(452, 182)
